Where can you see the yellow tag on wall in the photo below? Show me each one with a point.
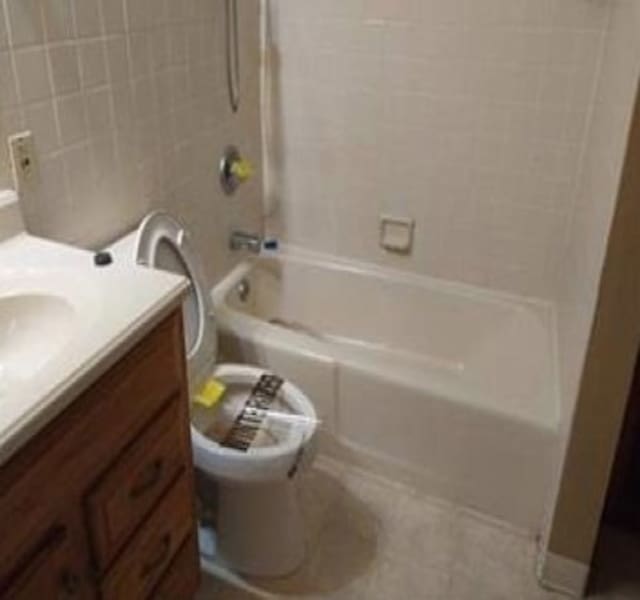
(242, 169)
(211, 393)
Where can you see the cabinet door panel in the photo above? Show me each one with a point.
(57, 569)
(132, 487)
(183, 577)
(145, 560)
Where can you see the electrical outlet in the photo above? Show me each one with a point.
(23, 159)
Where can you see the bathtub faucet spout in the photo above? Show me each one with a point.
(241, 240)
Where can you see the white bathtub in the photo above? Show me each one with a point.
(450, 388)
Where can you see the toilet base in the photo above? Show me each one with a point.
(260, 528)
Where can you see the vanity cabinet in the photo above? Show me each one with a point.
(100, 503)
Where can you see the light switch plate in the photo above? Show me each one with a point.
(24, 160)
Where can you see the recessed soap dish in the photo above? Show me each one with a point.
(396, 233)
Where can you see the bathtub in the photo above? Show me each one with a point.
(446, 387)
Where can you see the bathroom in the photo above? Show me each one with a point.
(427, 231)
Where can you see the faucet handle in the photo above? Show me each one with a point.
(242, 169)
(234, 170)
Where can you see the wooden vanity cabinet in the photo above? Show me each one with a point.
(100, 503)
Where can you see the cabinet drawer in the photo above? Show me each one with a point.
(130, 489)
(183, 577)
(147, 557)
(56, 569)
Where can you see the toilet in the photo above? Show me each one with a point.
(259, 527)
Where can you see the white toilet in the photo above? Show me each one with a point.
(259, 526)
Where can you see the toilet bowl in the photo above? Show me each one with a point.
(259, 526)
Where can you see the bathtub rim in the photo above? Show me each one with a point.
(303, 256)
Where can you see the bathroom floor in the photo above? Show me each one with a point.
(377, 540)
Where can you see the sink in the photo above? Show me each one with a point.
(63, 320)
(34, 328)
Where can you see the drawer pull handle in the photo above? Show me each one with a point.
(160, 558)
(148, 480)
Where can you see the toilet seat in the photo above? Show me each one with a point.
(163, 243)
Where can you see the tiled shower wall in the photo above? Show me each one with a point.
(598, 184)
(595, 202)
(128, 103)
(467, 115)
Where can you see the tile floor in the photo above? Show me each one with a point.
(372, 539)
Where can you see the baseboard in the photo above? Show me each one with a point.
(564, 575)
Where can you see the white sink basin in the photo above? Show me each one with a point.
(43, 312)
(34, 328)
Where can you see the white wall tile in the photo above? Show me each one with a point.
(476, 110)
(9, 96)
(128, 104)
(25, 22)
(140, 13)
(42, 122)
(113, 16)
(87, 18)
(58, 20)
(117, 59)
(72, 119)
(140, 54)
(33, 74)
(93, 65)
(65, 71)
(99, 118)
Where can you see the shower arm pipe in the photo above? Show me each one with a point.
(233, 54)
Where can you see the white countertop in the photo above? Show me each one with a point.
(113, 307)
